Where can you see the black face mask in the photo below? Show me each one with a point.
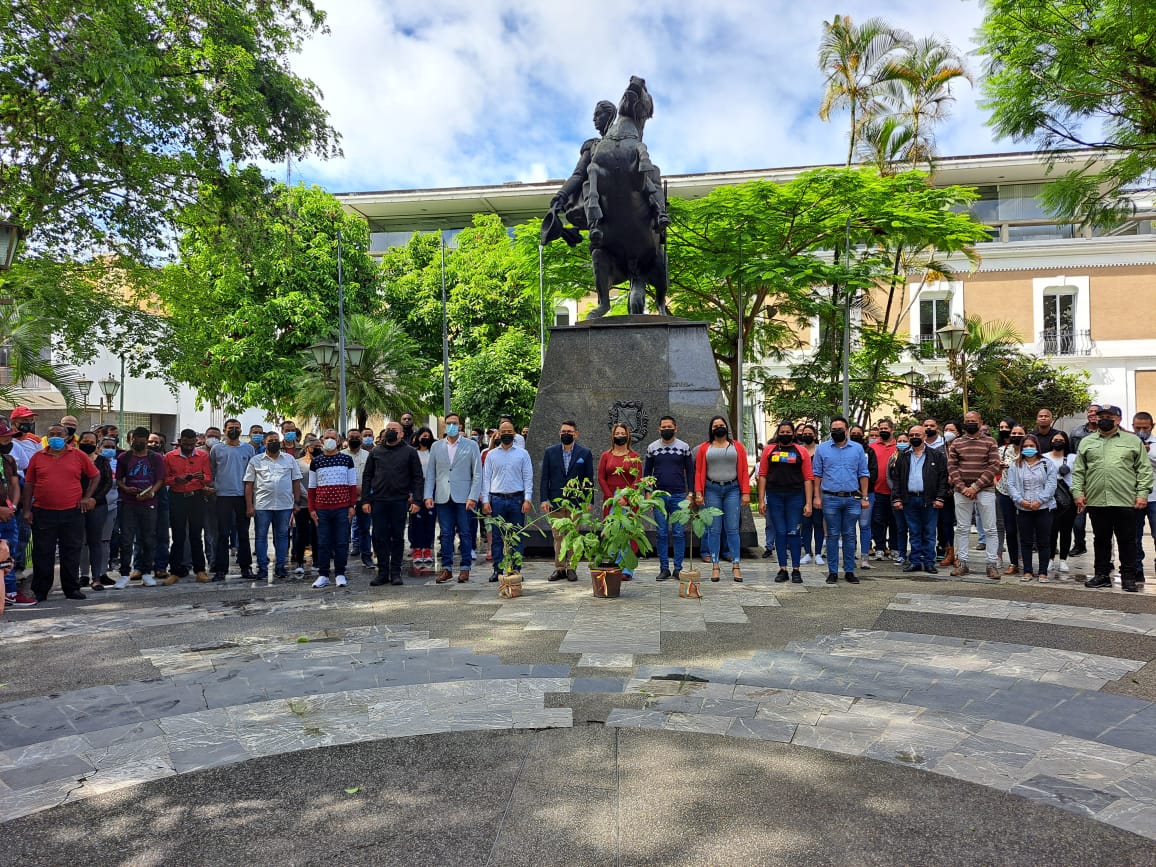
(26, 427)
(971, 427)
(391, 436)
(1017, 440)
(667, 435)
(1106, 424)
(566, 438)
(1057, 445)
(273, 446)
(884, 435)
(857, 438)
(916, 442)
(155, 448)
(426, 441)
(618, 441)
(140, 448)
(786, 439)
(354, 443)
(838, 435)
(71, 431)
(718, 432)
(807, 439)
(507, 439)
(1003, 436)
(233, 433)
(88, 448)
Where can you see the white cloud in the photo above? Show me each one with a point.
(486, 91)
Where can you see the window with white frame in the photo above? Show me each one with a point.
(561, 317)
(1062, 316)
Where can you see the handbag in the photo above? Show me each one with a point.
(1064, 499)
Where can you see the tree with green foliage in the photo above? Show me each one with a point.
(27, 340)
(255, 286)
(1073, 73)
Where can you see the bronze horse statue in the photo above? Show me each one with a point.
(622, 200)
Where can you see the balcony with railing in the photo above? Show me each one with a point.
(1066, 342)
(927, 348)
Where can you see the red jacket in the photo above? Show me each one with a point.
(883, 452)
(744, 477)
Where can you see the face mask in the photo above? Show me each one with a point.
(291, 436)
(56, 442)
(931, 434)
(916, 442)
(1057, 445)
(71, 431)
(273, 446)
(155, 448)
(807, 439)
(508, 439)
(426, 442)
(903, 446)
(1030, 452)
(1003, 436)
(257, 439)
(884, 435)
(26, 427)
(108, 453)
(948, 436)
(390, 436)
(667, 435)
(566, 438)
(1106, 424)
(1144, 435)
(88, 448)
(971, 427)
(718, 432)
(233, 433)
(1017, 441)
(857, 438)
(331, 444)
(211, 441)
(786, 439)
(838, 435)
(355, 442)
(452, 430)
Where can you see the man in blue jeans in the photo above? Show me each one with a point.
(1142, 427)
(507, 486)
(671, 462)
(272, 487)
(918, 493)
(840, 468)
(453, 484)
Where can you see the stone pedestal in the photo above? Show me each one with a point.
(633, 369)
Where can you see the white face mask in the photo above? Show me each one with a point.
(949, 435)
(211, 441)
(330, 444)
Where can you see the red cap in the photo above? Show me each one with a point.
(6, 431)
(21, 412)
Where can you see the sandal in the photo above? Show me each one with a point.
(737, 573)
(714, 572)
(1028, 578)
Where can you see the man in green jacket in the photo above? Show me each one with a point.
(1112, 479)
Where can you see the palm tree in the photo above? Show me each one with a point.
(980, 363)
(917, 89)
(24, 337)
(389, 381)
(856, 61)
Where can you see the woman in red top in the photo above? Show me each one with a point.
(619, 467)
(722, 481)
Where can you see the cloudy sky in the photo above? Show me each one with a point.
(432, 93)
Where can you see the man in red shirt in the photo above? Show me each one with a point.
(883, 527)
(187, 473)
(58, 487)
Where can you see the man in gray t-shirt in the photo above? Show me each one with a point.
(228, 460)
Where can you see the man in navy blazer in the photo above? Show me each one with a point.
(560, 463)
(453, 483)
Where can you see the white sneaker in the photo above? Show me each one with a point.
(806, 559)
(148, 580)
(1063, 566)
(121, 582)
(865, 563)
(269, 580)
(341, 582)
(322, 581)
(819, 561)
(300, 570)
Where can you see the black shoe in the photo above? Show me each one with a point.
(796, 576)
(75, 594)
(217, 578)
(40, 598)
(782, 577)
(1077, 551)
(396, 581)
(1097, 581)
(1139, 577)
(556, 575)
(663, 575)
(367, 562)
(571, 575)
(930, 569)
(379, 581)
(1130, 586)
(85, 581)
(247, 575)
(913, 567)
(850, 578)
(494, 577)
(768, 553)
(280, 576)
(677, 575)
(832, 578)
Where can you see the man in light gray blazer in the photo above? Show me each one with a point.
(453, 483)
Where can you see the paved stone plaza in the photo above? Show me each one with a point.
(1019, 719)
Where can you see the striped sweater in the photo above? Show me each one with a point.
(332, 482)
(972, 460)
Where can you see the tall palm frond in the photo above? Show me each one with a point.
(26, 341)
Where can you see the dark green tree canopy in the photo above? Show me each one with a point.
(116, 114)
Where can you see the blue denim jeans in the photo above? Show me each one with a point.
(1146, 514)
(362, 527)
(455, 518)
(784, 514)
(10, 533)
(842, 517)
(509, 508)
(727, 497)
(922, 518)
(278, 519)
(813, 533)
(865, 524)
(332, 541)
(664, 532)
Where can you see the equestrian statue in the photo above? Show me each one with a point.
(616, 194)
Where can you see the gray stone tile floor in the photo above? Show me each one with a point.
(1028, 720)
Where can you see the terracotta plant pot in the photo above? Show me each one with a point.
(606, 581)
(688, 584)
(510, 586)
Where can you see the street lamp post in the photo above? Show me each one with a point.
(109, 386)
(952, 338)
(328, 356)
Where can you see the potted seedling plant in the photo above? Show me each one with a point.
(610, 535)
(696, 522)
(510, 578)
